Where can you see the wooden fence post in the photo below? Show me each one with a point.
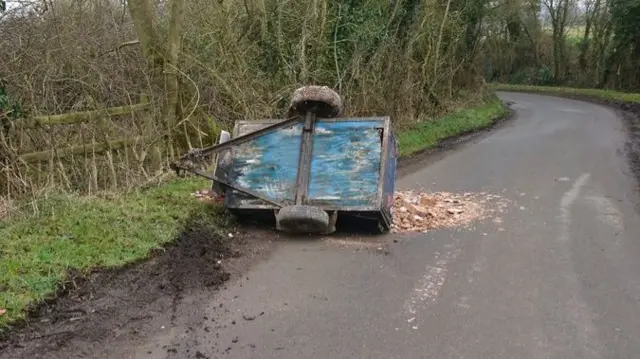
(49, 165)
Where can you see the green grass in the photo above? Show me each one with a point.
(84, 233)
(573, 33)
(72, 232)
(428, 134)
(607, 95)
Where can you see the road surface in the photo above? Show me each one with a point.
(558, 278)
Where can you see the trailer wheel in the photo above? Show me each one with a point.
(326, 102)
(303, 219)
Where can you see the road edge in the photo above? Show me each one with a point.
(418, 160)
(629, 112)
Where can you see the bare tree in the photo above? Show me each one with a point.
(558, 11)
(162, 61)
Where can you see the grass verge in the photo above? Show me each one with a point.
(429, 134)
(84, 233)
(606, 95)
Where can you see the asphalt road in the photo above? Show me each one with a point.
(559, 277)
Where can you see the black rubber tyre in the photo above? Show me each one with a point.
(303, 219)
(324, 101)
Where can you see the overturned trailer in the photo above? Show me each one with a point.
(308, 169)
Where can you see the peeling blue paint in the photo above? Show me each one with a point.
(269, 164)
(345, 166)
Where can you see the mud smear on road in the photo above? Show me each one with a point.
(111, 303)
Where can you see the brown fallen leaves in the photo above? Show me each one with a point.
(207, 195)
(6, 207)
(2, 311)
(419, 211)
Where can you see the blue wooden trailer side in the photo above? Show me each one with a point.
(345, 166)
(352, 167)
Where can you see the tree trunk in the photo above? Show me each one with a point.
(174, 45)
(636, 55)
(590, 16)
(534, 45)
(143, 17)
(556, 56)
(585, 46)
(162, 60)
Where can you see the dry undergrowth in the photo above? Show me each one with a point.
(236, 63)
(6, 207)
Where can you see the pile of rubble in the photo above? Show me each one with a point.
(419, 212)
(207, 195)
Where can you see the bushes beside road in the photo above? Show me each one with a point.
(599, 94)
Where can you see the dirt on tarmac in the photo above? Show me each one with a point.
(133, 300)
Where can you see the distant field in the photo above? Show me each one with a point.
(575, 32)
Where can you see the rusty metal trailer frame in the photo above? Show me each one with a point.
(199, 154)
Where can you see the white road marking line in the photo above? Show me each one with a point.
(565, 205)
(429, 286)
(576, 310)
